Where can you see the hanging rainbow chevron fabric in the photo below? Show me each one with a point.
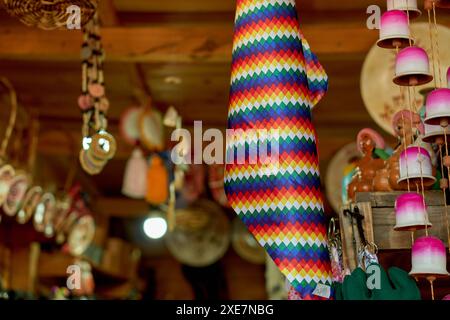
(276, 81)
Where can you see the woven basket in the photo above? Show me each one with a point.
(49, 14)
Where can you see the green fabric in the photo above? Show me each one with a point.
(398, 286)
(437, 184)
(382, 154)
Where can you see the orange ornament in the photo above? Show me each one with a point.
(157, 182)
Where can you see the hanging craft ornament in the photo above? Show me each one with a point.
(394, 30)
(135, 180)
(157, 181)
(412, 67)
(411, 212)
(376, 79)
(7, 173)
(51, 14)
(81, 235)
(429, 258)
(408, 6)
(16, 194)
(151, 129)
(336, 253)
(129, 124)
(276, 81)
(31, 200)
(171, 117)
(99, 146)
(42, 213)
(416, 167)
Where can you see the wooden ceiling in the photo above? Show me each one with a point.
(147, 43)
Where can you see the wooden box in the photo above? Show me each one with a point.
(379, 220)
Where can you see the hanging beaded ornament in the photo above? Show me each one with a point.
(98, 146)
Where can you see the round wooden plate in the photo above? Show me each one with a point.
(205, 246)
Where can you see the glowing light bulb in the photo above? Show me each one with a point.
(155, 227)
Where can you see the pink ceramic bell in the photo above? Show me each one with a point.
(412, 67)
(429, 257)
(408, 6)
(437, 108)
(394, 30)
(448, 78)
(135, 178)
(410, 212)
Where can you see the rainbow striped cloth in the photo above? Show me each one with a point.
(275, 82)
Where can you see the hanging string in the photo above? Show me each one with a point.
(406, 153)
(410, 104)
(409, 25)
(431, 280)
(402, 103)
(171, 219)
(423, 196)
(448, 177)
(430, 28)
(445, 197)
(436, 41)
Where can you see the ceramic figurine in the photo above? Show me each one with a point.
(368, 141)
(406, 135)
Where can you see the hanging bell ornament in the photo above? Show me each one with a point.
(408, 6)
(135, 180)
(412, 67)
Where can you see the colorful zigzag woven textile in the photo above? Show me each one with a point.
(276, 80)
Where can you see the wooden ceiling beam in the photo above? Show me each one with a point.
(120, 207)
(170, 44)
(108, 13)
(230, 5)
